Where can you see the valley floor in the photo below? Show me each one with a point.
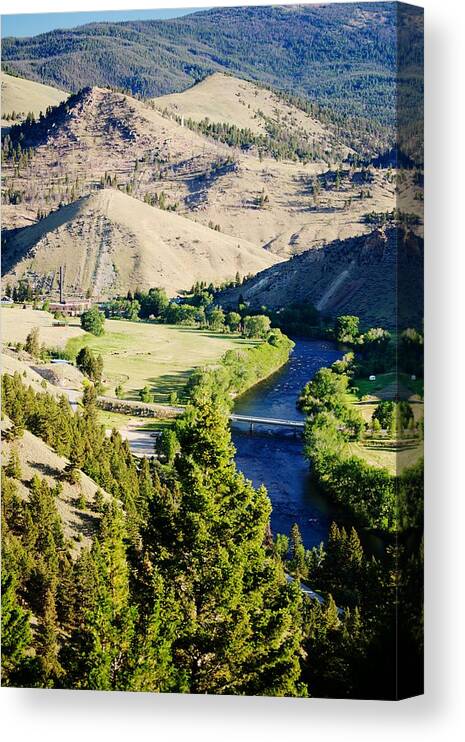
(135, 354)
(162, 357)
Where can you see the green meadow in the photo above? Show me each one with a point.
(162, 357)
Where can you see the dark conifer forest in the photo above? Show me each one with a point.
(303, 50)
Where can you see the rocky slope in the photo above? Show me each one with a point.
(36, 458)
(100, 136)
(378, 277)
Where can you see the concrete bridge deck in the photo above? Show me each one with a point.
(252, 420)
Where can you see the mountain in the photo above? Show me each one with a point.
(110, 243)
(343, 54)
(100, 137)
(225, 98)
(21, 96)
(378, 277)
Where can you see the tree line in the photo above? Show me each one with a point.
(377, 498)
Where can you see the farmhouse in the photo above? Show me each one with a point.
(71, 308)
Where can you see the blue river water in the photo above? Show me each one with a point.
(274, 456)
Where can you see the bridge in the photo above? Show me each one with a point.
(252, 420)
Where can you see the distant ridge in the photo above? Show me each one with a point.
(293, 48)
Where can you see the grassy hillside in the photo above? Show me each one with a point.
(101, 137)
(258, 113)
(21, 96)
(74, 502)
(110, 243)
(341, 54)
(159, 356)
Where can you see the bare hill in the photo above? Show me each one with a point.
(101, 137)
(23, 96)
(378, 277)
(110, 243)
(224, 98)
(98, 136)
(13, 362)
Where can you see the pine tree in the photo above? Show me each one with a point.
(146, 490)
(103, 641)
(47, 645)
(241, 625)
(297, 561)
(151, 665)
(89, 403)
(13, 467)
(76, 461)
(16, 632)
(355, 549)
(66, 595)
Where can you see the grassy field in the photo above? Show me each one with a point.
(383, 452)
(367, 409)
(138, 354)
(365, 386)
(118, 420)
(395, 460)
(18, 322)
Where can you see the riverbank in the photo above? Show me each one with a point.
(162, 357)
(274, 457)
(240, 370)
(337, 439)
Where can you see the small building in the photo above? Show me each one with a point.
(71, 308)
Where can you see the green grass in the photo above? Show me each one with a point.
(138, 354)
(365, 386)
(386, 456)
(385, 453)
(416, 386)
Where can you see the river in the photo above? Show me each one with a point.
(274, 456)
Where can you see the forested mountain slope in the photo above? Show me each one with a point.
(342, 54)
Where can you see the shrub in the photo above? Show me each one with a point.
(93, 321)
